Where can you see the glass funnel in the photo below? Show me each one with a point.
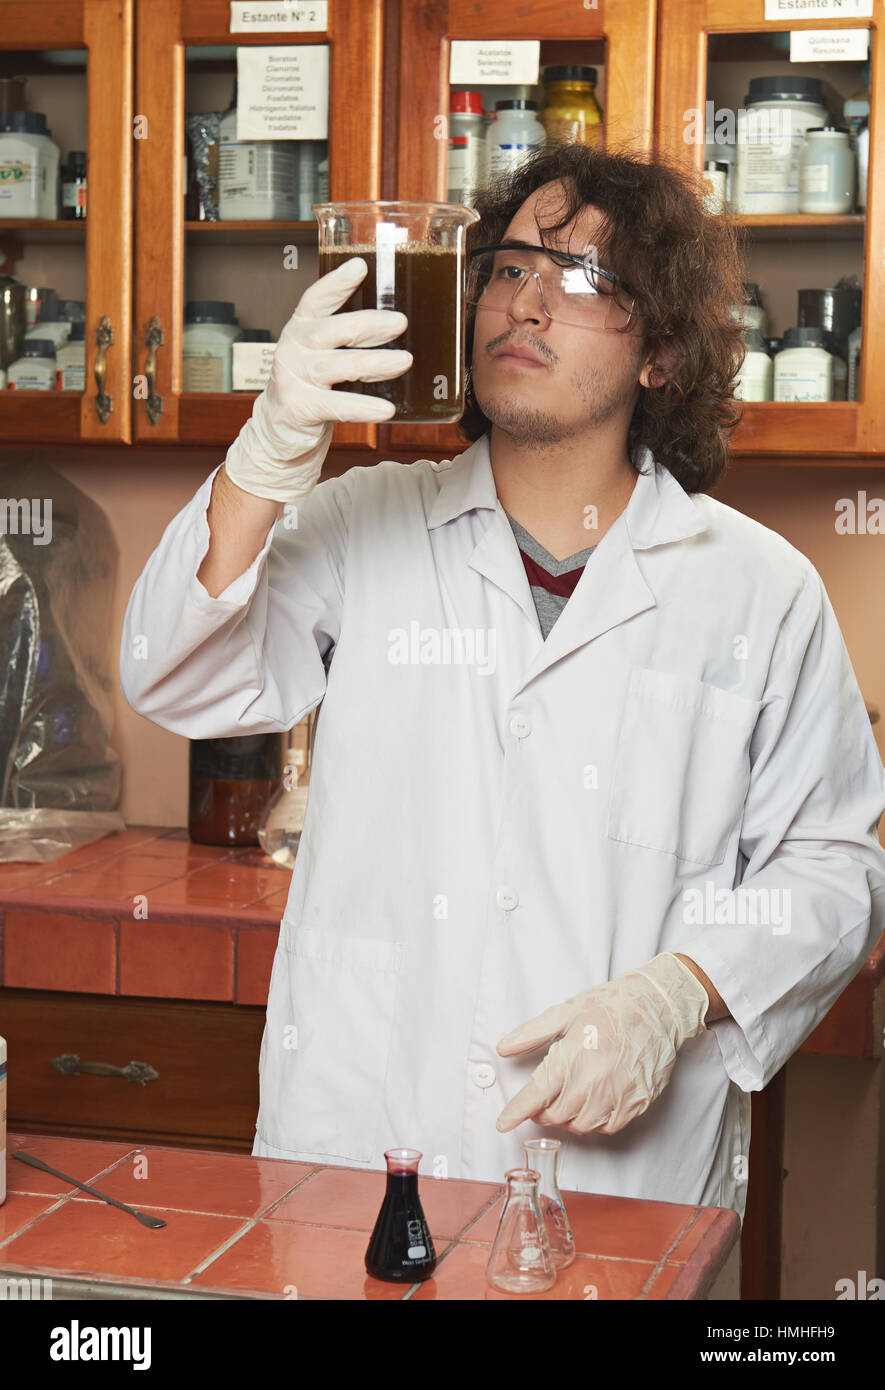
(416, 254)
(521, 1261)
(543, 1155)
(401, 1249)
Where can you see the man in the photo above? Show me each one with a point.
(591, 838)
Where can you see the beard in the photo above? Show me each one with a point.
(532, 428)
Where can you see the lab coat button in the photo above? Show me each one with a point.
(507, 898)
(520, 726)
(483, 1075)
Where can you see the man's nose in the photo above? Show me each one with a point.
(527, 304)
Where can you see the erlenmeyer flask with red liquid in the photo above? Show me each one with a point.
(401, 1249)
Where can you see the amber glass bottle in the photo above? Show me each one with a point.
(231, 782)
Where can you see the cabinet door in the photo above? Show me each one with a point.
(616, 37)
(186, 63)
(709, 52)
(76, 59)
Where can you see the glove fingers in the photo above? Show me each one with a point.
(552, 1023)
(362, 328)
(330, 291)
(351, 408)
(371, 364)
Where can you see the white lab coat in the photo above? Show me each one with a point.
(496, 826)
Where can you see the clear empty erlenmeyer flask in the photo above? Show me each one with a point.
(401, 1249)
(542, 1155)
(520, 1261)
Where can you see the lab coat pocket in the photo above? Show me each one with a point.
(682, 766)
(329, 1028)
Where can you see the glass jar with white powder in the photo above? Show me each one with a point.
(803, 369)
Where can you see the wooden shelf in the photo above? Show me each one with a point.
(250, 233)
(41, 230)
(803, 226)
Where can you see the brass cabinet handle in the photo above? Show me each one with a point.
(104, 337)
(154, 340)
(69, 1064)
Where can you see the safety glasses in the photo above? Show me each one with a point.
(571, 289)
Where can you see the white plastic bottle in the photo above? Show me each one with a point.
(756, 374)
(210, 327)
(257, 179)
(34, 370)
(771, 129)
(53, 323)
(854, 345)
(70, 361)
(29, 160)
(514, 133)
(468, 150)
(803, 369)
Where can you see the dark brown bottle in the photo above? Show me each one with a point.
(231, 782)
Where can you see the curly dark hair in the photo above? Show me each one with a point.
(683, 265)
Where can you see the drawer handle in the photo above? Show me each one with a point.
(69, 1064)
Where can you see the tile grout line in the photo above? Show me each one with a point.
(63, 1199)
(455, 1241)
(250, 1223)
(647, 1286)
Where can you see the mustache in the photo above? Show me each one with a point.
(544, 352)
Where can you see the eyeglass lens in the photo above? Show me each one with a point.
(569, 293)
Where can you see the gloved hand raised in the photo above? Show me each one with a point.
(279, 452)
(614, 1051)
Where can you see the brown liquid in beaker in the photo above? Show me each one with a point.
(427, 290)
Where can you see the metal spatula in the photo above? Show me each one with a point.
(153, 1222)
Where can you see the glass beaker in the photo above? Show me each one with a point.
(521, 1261)
(542, 1155)
(401, 1248)
(416, 254)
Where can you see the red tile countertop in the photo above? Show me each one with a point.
(147, 913)
(144, 912)
(265, 1228)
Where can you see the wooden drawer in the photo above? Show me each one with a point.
(206, 1055)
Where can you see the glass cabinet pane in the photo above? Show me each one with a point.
(784, 149)
(492, 126)
(250, 231)
(43, 212)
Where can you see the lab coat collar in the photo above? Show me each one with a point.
(612, 588)
(659, 509)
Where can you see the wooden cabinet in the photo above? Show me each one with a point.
(185, 48)
(141, 65)
(77, 58)
(137, 65)
(205, 1056)
(707, 51)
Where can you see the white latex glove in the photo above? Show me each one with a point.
(279, 452)
(615, 1049)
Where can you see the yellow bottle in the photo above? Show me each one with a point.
(572, 112)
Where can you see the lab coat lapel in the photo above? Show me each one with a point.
(612, 588)
(467, 483)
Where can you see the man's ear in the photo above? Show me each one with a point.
(660, 365)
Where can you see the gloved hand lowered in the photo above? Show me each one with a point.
(614, 1051)
(279, 452)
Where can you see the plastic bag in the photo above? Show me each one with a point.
(59, 780)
